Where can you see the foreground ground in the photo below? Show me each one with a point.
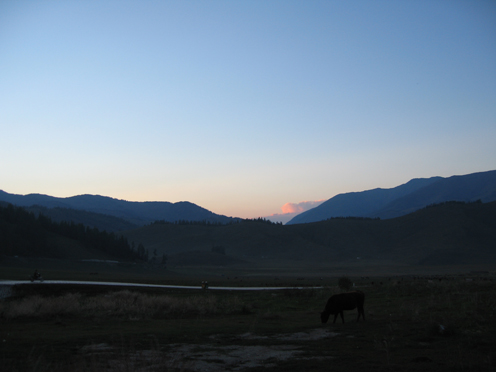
(430, 324)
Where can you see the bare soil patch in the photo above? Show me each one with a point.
(214, 357)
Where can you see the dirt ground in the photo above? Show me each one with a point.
(217, 358)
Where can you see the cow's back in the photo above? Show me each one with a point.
(344, 301)
(350, 300)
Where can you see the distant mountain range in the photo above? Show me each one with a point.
(111, 214)
(452, 233)
(404, 199)
(130, 213)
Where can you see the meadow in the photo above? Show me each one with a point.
(429, 323)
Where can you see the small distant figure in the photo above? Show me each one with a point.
(36, 276)
(204, 285)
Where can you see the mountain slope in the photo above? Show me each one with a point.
(24, 234)
(360, 204)
(404, 199)
(138, 213)
(471, 187)
(451, 233)
(102, 222)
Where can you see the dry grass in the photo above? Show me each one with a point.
(123, 304)
(410, 325)
(465, 303)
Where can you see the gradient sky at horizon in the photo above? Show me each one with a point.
(243, 107)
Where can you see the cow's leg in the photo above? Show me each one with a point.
(335, 316)
(362, 313)
(342, 316)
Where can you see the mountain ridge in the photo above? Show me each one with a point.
(375, 203)
(138, 213)
(452, 233)
(404, 199)
(448, 233)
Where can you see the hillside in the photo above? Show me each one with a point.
(22, 233)
(404, 199)
(90, 219)
(137, 213)
(468, 188)
(450, 233)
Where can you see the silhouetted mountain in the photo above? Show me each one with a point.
(404, 199)
(452, 233)
(468, 188)
(22, 233)
(102, 222)
(138, 213)
(449, 233)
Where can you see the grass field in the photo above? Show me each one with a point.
(430, 324)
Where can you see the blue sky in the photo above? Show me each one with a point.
(243, 106)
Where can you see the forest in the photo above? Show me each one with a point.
(25, 234)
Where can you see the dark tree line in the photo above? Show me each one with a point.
(452, 202)
(355, 218)
(191, 223)
(214, 223)
(23, 233)
(262, 220)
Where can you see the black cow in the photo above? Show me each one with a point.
(343, 301)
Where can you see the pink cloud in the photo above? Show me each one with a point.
(289, 210)
(300, 207)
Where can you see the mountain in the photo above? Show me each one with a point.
(404, 199)
(471, 187)
(444, 234)
(452, 233)
(102, 222)
(138, 213)
(24, 234)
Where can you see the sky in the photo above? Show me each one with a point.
(246, 108)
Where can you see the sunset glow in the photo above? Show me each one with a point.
(242, 107)
(300, 207)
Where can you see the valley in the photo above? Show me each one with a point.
(436, 323)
